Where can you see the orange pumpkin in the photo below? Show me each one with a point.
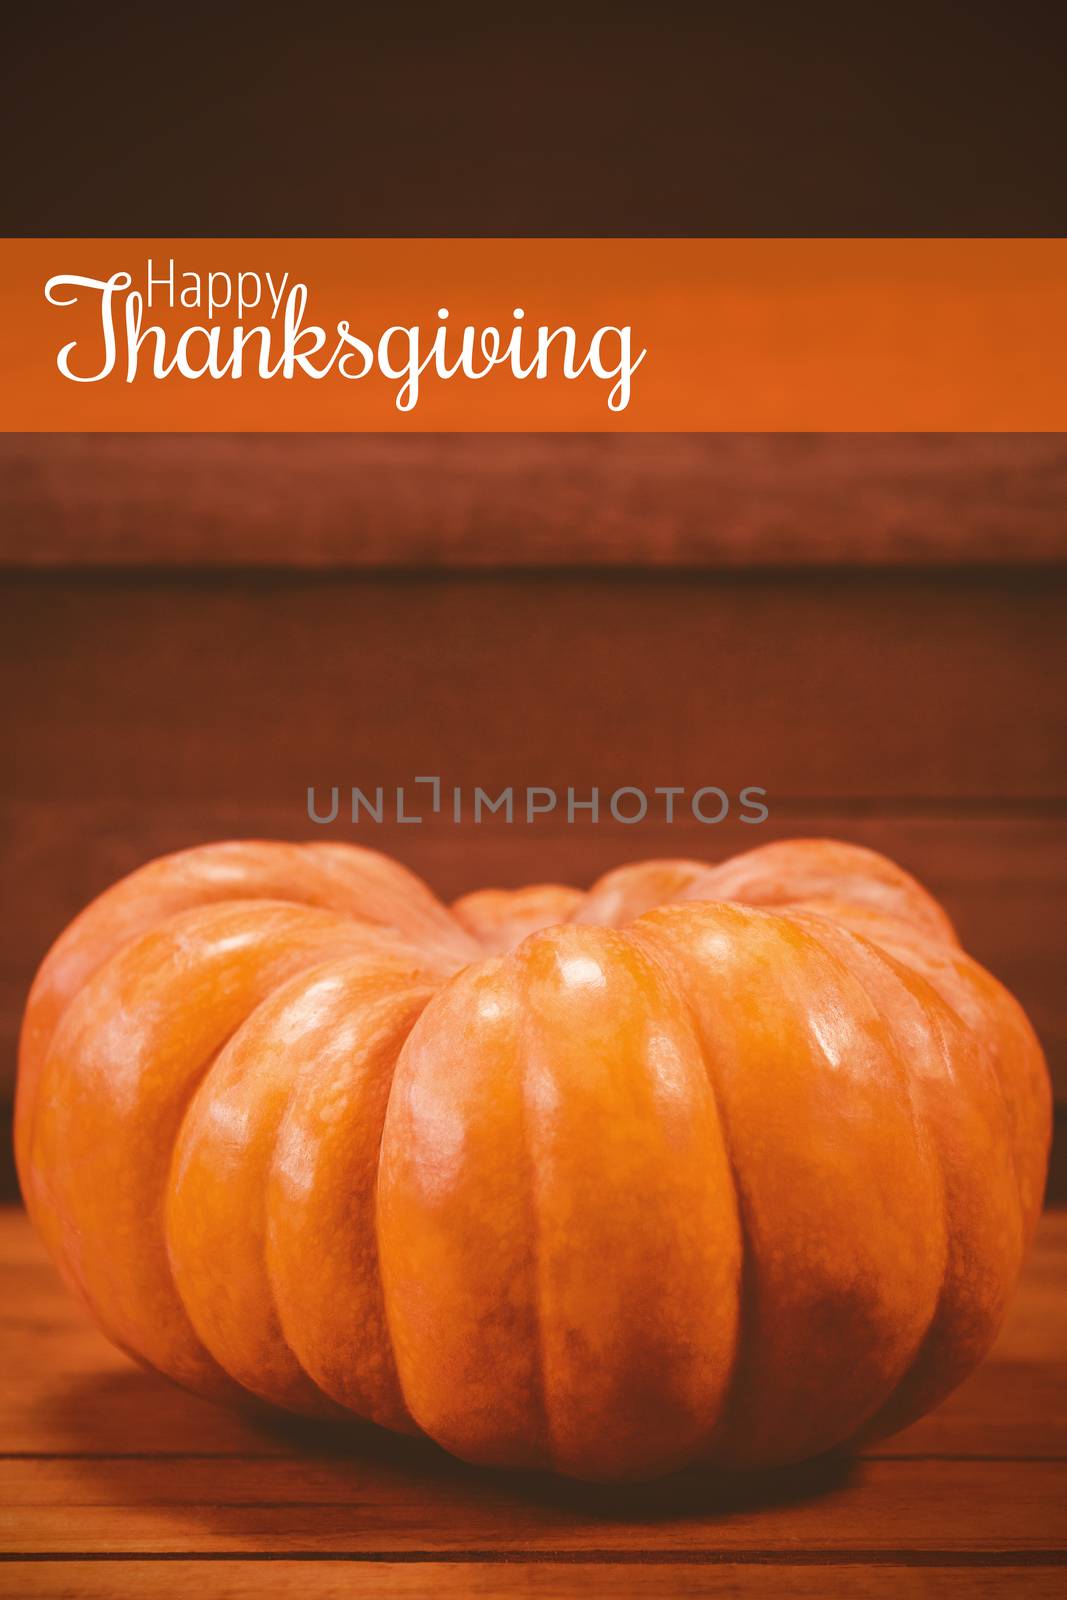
(726, 1164)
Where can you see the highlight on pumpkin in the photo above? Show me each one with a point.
(726, 1164)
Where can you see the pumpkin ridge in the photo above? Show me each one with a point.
(411, 1000)
(540, 1361)
(974, 972)
(845, 1272)
(266, 942)
(328, 1406)
(643, 930)
(219, 1383)
(641, 983)
(31, 1062)
(964, 1057)
(908, 979)
(170, 882)
(207, 1355)
(203, 1083)
(251, 1176)
(437, 1232)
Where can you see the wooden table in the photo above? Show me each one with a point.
(115, 1484)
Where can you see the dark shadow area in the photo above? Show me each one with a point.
(696, 1491)
(261, 1475)
(9, 1183)
(826, 119)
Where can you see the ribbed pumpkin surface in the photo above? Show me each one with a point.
(725, 1164)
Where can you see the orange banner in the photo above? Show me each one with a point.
(688, 335)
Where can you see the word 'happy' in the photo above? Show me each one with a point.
(280, 344)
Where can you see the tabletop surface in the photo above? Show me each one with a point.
(113, 1483)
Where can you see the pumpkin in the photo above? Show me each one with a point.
(725, 1164)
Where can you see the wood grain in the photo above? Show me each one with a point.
(374, 1506)
(609, 1580)
(458, 502)
(850, 687)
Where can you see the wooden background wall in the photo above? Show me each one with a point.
(871, 628)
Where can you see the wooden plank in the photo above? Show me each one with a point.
(383, 1580)
(467, 502)
(408, 1499)
(846, 688)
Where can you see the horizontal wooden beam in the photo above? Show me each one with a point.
(462, 502)
(860, 687)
